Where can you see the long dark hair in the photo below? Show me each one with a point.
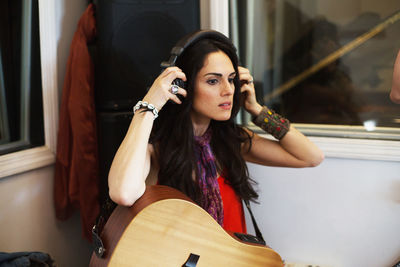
(173, 136)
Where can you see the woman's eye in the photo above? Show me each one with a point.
(212, 81)
(231, 80)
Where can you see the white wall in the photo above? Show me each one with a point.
(68, 13)
(343, 213)
(28, 223)
(27, 219)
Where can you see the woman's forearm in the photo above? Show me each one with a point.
(302, 148)
(131, 163)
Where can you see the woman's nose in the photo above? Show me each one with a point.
(227, 88)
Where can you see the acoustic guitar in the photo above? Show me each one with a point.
(165, 228)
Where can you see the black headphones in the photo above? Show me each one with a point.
(187, 41)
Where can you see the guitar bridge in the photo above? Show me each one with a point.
(191, 261)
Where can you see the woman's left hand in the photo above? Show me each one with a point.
(248, 93)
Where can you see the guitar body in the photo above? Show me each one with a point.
(164, 227)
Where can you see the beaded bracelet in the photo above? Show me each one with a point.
(272, 123)
(147, 107)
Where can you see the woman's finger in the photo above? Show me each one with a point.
(172, 73)
(176, 90)
(244, 76)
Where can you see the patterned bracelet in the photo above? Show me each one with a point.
(147, 107)
(272, 123)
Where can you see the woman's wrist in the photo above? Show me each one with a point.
(272, 123)
(255, 110)
(143, 106)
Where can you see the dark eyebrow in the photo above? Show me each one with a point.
(213, 74)
(219, 74)
(232, 74)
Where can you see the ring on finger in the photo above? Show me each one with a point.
(174, 89)
(251, 81)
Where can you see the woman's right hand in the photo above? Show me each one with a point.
(160, 91)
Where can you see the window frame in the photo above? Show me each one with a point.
(355, 143)
(33, 158)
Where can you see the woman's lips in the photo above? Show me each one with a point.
(225, 105)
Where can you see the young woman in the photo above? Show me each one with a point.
(194, 144)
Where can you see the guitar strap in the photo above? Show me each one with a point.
(106, 209)
(256, 229)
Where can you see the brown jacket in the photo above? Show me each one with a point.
(76, 181)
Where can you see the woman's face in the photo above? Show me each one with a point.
(214, 89)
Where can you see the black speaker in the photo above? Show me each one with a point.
(112, 128)
(134, 37)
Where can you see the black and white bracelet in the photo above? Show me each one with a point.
(147, 107)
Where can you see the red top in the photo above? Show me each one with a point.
(234, 220)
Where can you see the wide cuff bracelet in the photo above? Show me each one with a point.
(272, 123)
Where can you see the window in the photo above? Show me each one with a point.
(40, 156)
(325, 65)
(21, 110)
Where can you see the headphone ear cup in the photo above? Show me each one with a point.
(179, 82)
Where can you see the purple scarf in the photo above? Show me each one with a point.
(211, 197)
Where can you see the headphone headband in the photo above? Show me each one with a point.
(190, 39)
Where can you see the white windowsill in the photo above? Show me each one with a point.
(355, 142)
(352, 148)
(347, 148)
(25, 160)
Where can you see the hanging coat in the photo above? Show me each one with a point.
(76, 183)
